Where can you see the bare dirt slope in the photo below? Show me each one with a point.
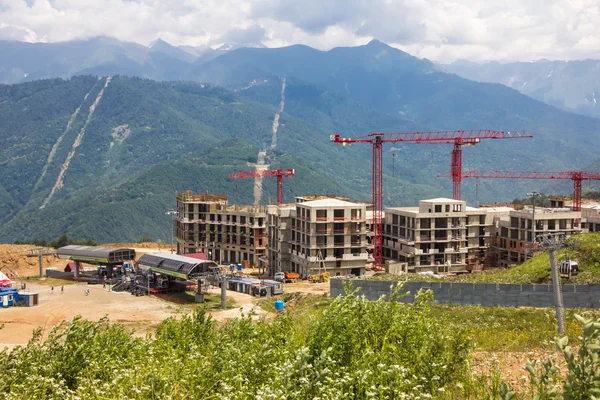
(14, 256)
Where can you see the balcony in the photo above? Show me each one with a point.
(406, 239)
(340, 218)
(351, 230)
(330, 258)
(322, 219)
(356, 256)
(359, 243)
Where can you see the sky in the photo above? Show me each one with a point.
(440, 30)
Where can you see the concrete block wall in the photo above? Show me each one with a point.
(486, 294)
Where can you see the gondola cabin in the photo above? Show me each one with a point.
(568, 268)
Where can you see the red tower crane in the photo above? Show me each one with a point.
(279, 173)
(457, 138)
(576, 176)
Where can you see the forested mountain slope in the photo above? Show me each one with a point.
(66, 145)
(94, 156)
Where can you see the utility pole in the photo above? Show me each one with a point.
(394, 164)
(224, 292)
(552, 242)
(557, 290)
(172, 213)
(534, 195)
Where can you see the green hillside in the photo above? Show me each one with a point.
(537, 269)
(69, 149)
(137, 207)
(118, 166)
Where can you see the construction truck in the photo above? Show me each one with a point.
(291, 276)
(286, 277)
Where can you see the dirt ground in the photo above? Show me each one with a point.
(141, 313)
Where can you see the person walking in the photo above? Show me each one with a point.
(52, 289)
(62, 290)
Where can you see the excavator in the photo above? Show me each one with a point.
(319, 278)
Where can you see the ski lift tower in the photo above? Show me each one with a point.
(552, 242)
(40, 253)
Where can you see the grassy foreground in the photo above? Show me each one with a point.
(318, 348)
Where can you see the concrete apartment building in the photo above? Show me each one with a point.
(513, 233)
(440, 235)
(590, 215)
(329, 235)
(225, 233)
(279, 235)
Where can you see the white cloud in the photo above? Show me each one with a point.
(441, 30)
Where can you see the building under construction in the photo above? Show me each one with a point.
(440, 235)
(331, 234)
(226, 233)
(515, 231)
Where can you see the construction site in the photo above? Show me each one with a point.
(258, 251)
(330, 234)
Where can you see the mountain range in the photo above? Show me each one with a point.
(23, 62)
(569, 85)
(100, 156)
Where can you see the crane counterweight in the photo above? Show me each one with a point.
(254, 173)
